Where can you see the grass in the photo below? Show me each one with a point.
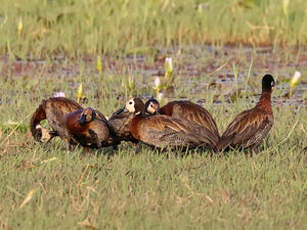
(147, 190)
(43, 28)
(43, 187)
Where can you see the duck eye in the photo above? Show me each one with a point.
(130, 103)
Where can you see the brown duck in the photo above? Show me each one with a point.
(120, 122)
(250, 127)
(89, 128)
(166, 132)
(53, 109)
(184, 110)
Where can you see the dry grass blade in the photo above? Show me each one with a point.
(185, 184)
(219, 68)
(302, 128)
(285, 139)
(28, 198)
(82, 175)
(289, 134)
(86, 224)
(48, 160)
(14, 129)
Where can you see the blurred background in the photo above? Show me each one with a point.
(73, 27)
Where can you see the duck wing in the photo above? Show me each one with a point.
(100, 116)
(247, 129)
(195, 113)
(163, 131)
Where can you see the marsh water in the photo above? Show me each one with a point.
(227, 73)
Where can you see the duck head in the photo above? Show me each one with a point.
(87, 115)
(152, 106)
(268, 83)
(135, 105)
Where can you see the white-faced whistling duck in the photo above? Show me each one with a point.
(53, 109)
(167, 132)
(120, 122)
(184, 110)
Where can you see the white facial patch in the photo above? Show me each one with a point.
(130, 106)
(150, 108)
(45, 133)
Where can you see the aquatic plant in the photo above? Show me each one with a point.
(295, 80)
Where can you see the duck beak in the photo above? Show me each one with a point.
(82, 119)
(120, 111)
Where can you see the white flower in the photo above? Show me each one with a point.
(130, 80)
(160, 96)
(157, 82)
(285, 6)
(295, 79)
(59, 94)
(169, 65)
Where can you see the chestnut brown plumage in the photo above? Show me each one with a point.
(164, 131)
(54, 110)
(89, 128)
(184, 110)
(120, 122)
(250, 127)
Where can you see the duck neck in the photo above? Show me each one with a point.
(134, 125)
(265, 101)
(138, 117)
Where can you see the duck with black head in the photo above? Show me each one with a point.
(163, 131)
(90, 128)
(250, 127)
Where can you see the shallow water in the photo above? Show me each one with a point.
(199, 69)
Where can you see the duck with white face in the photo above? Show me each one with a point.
(184, 110)
(152, 106)
(119, 122)
(163, 131)
(54, 110)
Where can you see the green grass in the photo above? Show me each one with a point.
(147, 190)
(73, 27)
(44, 187)
(125, 189)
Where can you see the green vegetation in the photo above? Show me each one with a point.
(45, 27)
(65, 43)
(43, 187)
